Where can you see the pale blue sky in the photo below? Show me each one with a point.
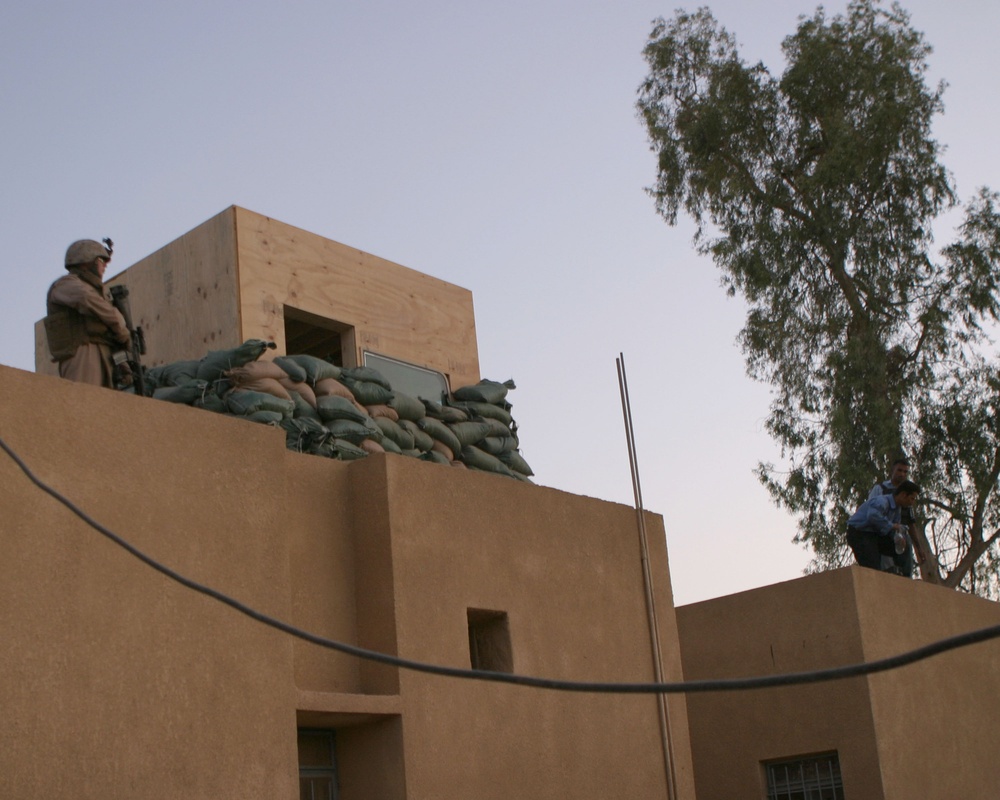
(491, 145)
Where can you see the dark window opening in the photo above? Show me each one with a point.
(807, 778)
(489, 641)
(313, 335)
(317, 765)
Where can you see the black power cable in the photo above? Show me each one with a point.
(681, 687)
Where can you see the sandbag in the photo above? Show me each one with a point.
(176, 373)
(486, 391)
(369, 374)
(327, 386)
(443, 449)
(421, 440)
(388, 445)
(495, 445)
(497, 428)
(305, 435)
(472, 456)
(394, 431)
(292, 369)
(331, 407)
(486, 410)
(265, 385)
(368, 393)
(382, 411)
(301, 388)
(243, 401)
(370, 446)
(515, 461)
(265, 416)
(440, 432)
(254, 371)
(211, 366)
(443, 413)
(469, 432)
(303, 410)
(407, 406)
(316, 369)
(352, 431)
(186, 393)
(347, 451)
(435, 457)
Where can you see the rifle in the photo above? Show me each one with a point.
(128, 364)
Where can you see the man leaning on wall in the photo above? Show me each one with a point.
(81, 325)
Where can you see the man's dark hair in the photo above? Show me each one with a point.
(902, 460)
(907, 486)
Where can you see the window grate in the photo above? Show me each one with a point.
(809, 778)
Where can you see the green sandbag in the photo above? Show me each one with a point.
(435, 457)
(515, 461)
(347, 451)
(304, 435)
(390, 446)
(265, 417)
(443, 413)
(315, 368)
(176, 373)
(407, 406)
(369, 374)
(392, 430)
(497, 428)
(302, 408)
(243, 401)
(469, 432)
(186, 393)
(485, 391)
(354, 432)
(487, 410)
(292, 369)
(368, 393)
(495, 445)
(473, 457)
(331, 407)
(421, 440)
(211, 367)
(210, 401)
(437, 429)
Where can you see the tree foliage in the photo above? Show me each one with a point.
(815, 194)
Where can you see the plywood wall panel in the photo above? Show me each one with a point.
(394, 310)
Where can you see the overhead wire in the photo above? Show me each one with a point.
(677, 687)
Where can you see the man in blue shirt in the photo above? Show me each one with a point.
(877, 536)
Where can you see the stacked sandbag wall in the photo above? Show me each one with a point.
(348, 413)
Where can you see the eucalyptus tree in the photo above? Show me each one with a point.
(815, 193)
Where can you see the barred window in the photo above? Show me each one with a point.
(808, 778)
(317, 765)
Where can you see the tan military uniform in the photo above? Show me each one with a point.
(82, 327)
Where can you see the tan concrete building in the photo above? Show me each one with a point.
(923, 731)
(117, 682)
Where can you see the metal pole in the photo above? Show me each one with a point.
(647, 578)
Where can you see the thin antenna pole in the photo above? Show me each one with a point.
(647, 578)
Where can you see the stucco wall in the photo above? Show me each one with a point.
(116, 682)
(921, 731)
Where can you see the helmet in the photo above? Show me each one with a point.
(85, 251)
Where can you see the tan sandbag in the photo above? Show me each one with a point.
(371, 446)
(304, 390)
(326, 386)
(443, 449)
(267, 385)
(254, 371)
(383, 411)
